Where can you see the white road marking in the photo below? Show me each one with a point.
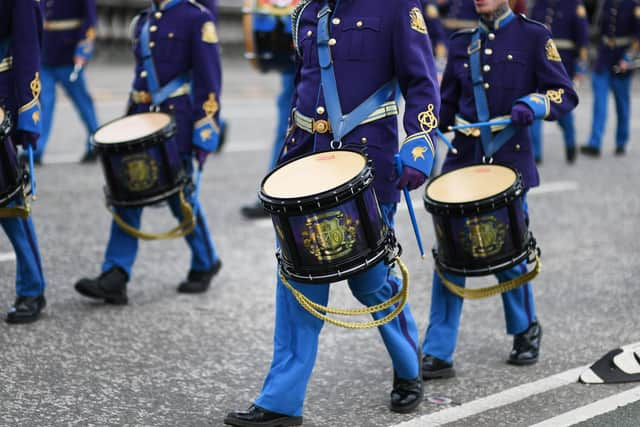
(9, 256)
(497, 400)
(593, 410)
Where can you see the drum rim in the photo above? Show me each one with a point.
(168, 131)
(461, 208)
(329, 198)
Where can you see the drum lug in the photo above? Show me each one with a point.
(335, 145)
(487, 161)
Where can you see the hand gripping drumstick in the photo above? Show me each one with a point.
(31, 174)
(504, 122)
(412, 213)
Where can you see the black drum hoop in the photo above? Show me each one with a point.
(147, 201)
(153, 139)
(479, 206)
(325, 200)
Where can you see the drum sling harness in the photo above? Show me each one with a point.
(490, 145)
(341, 125)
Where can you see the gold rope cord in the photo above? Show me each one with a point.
(187, 225)
(490, 290)
(318, 310)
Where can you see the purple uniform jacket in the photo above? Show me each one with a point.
(374, 43)
(620, 32)
(69, 30)
(567, 20)
(458, 14)
(20, 35)
(183, 39)
(511, 70)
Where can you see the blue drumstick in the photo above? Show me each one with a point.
(504, 122)
(448, 143)
(31, 174)
(412, 213)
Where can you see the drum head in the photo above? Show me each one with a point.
(471, 184)
(131, 128)
(314, 174)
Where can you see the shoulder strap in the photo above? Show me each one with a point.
(340, 123)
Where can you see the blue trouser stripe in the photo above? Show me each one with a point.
(620, 85)
(297, 331)
(76, 91)
(30, 280)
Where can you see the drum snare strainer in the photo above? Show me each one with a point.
(481, 226)
(329, 227)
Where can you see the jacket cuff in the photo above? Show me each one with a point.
(206, 134)
(538, 103)
(418, 152)
(29, 117)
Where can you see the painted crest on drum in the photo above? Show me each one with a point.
(483, 236)
(330, 236)
(140, 172)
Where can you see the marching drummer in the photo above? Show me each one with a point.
(523, 82)
(68, 42)
(389, 46)
(177, 72)
(20, 33)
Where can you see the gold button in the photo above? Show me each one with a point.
(158, 15)
(517, 147)
(172, 107)
(309, 33)
(143, 73)
(152, 44)
(510, 57)
(359, 24)
(320, 110)
(491, 36)
(364, 140)
(486, 85)
(336, 21)
(486, 68)
(153, 28)
(488, 51)
(332, 42)
(466, 65)
(171, 35)
(293, 140)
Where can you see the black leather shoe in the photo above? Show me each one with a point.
(110, 286)
(620, 150)
(90, 156)
(257, 416)
(26, 309)
(434, 368)
(199, 281)
(571, 155)
(406, 394)
(526, 346)
(254, 211)
(590, 151)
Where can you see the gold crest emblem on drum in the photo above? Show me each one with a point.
(484, 236)
(330, 236)
(140, 172)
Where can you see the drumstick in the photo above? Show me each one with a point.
(412, 213)
(504, 122)
(448, 143)
(31, 174)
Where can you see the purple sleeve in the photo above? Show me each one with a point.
(86, 45)
(582, 31)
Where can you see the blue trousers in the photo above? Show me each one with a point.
(29, 276)
(620, 85)
(567, 124)
(123, 248)
(76, 91)
(446, 308)
(284, 106)
(296, 335)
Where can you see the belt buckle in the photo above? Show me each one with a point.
(320, 126)
(475, 132)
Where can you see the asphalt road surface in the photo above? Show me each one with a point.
(168, 359)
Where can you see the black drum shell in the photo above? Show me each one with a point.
(11, 175)
(481, 237)
(144, 171)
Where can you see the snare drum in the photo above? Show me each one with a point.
(326, 215)
(11, 176)
(140, 159)
(480, 221)
(267, 33)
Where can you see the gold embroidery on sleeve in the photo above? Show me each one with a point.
(209, 33)
(555, 96)
(552, 51)
(417, 21)
(427, 119)
(210, 106)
